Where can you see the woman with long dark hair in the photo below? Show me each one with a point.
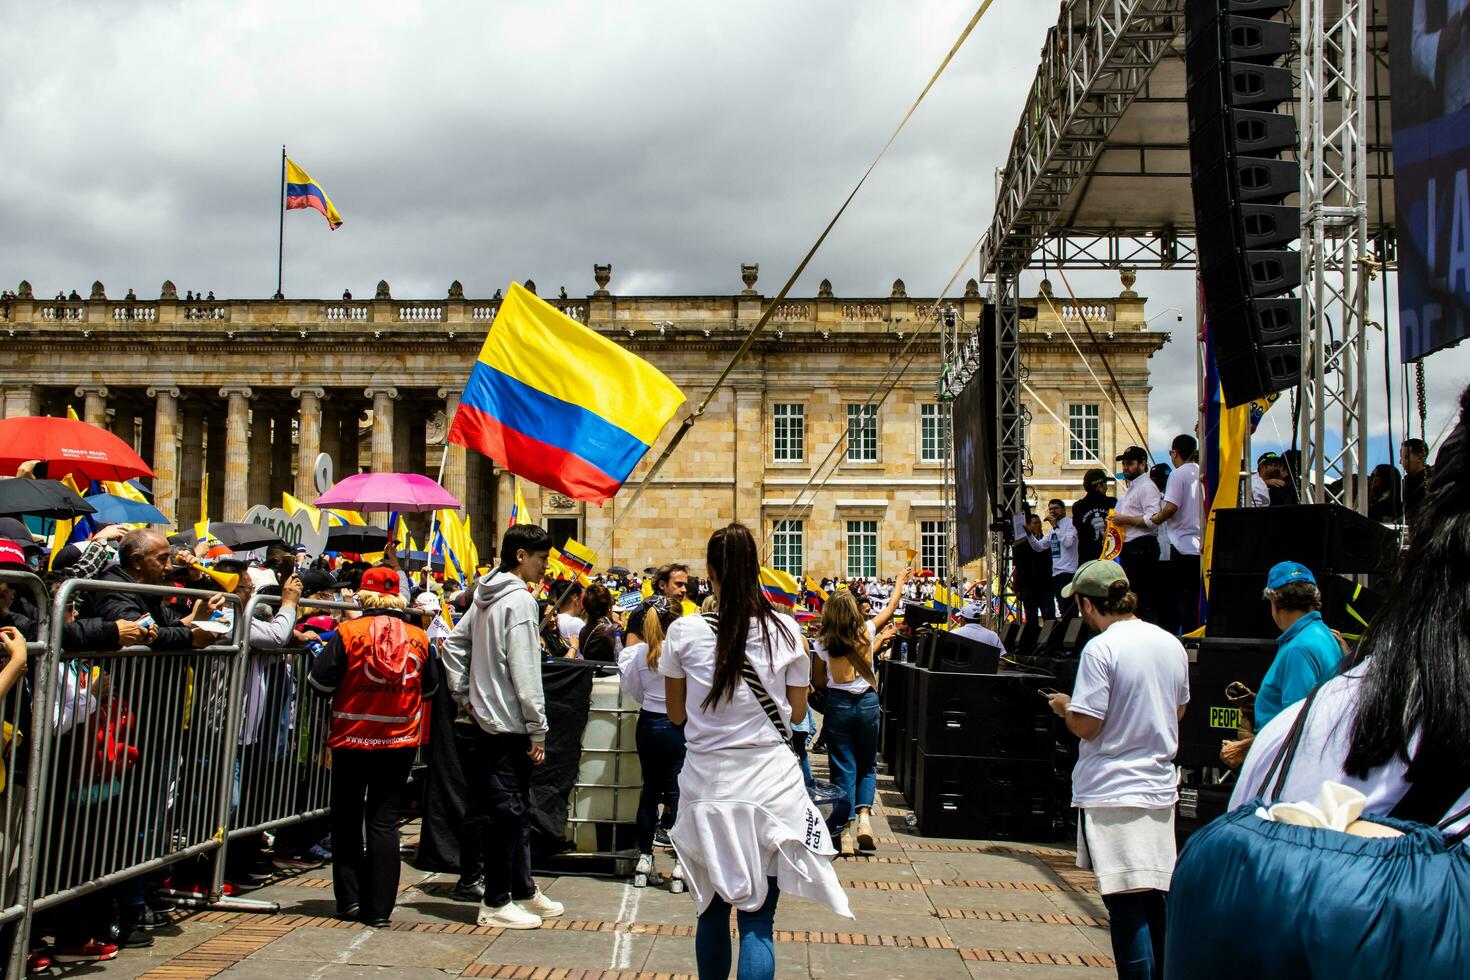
(1384, 895)
(660, 741)
(747, 830)
(599, 638)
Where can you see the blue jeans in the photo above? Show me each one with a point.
(661, 753)
(1137, 928)
(757, 948)
(851, 726)
(799, 742)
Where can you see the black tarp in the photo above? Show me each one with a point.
(568, 688)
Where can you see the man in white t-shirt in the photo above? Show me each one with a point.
(1140, 556)
(1132, 687)
(1181, 514)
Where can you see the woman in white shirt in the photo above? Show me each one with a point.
(660, 741)
(845, 648)
(747, 830)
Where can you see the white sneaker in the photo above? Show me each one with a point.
(643, 872)
(508, 916)
(539, 905)
(676, 880)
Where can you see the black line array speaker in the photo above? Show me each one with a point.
(1324, 537)
(1243, 222)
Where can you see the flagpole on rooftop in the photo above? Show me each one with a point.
(281, 241)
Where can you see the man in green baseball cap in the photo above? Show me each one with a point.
(1132, 686)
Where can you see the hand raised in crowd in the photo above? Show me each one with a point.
(131, 634)
(15, 646)
(112, 532)
(885, 637)
(537, 753)
(291, 590)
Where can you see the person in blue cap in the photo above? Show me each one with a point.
(1307, 652)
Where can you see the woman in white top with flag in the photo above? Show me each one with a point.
(747, 830)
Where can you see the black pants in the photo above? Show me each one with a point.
(1140, 560)
(1065, 607)
(661, 754)
(1184, 576)
(366, 786)
(1037, 605)
(472, 829)
(498, 777)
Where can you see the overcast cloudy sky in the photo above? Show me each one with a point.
(487, 141)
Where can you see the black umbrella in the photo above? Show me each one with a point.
(415, 560)
(619, 570)
(41, 498)
(356, 538)
(243, 537)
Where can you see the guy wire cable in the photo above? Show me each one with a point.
(1047, 409)
(842, 438)
(780, 297)
(1137, 429)
(1083, 358)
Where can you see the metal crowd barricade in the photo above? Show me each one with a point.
(284, 776)
(16, 709)
(130, 760)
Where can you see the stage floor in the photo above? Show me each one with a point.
(924, 907)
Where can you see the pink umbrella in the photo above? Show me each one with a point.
(404, 492)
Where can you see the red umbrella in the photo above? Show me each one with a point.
(67, 446)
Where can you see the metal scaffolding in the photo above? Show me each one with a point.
(1097, 177)
(1334, 204)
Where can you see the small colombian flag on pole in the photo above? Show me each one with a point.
(559, 404)
(303, 192)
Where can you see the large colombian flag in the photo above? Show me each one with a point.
(559, 404)
(303, 192)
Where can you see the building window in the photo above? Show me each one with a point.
(788, 433)
(933, 432)
(1083, 439)
(934, 547)
(862, 433)
(786, 551)
(862, 549)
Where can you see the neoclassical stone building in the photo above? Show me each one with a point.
(232, 400)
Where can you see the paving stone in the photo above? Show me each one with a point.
(1030, 971)
(675, 954)
(441, 951)
(1003, 900)
(1029, 936)
(870, 963)
(314, 944)
(573, 950)
(132, 963)
(983, 867)
(257, 970)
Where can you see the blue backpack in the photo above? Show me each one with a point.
(1255, 899)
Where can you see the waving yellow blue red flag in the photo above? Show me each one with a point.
(780, 587)
(303, 192)
(559, 404)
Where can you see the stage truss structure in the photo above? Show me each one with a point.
(1097, 177)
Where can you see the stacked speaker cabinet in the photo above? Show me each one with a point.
(1243, 223)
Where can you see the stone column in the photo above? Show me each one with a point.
(22, 400)
(236, 475)
(259, 482)
(331, 435)
(454, 456)
(281, 453)
(94, 410)
(191, 468)
(349, 438)
(308, 439)
(382, 459)
(166, 450)
(749, 458)
(214, 463)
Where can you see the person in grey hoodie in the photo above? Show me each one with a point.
(492, 661)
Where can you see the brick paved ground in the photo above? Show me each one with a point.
(924, 907)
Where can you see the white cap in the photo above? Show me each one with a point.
(972, 610)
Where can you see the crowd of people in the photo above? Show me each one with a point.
(728, 685)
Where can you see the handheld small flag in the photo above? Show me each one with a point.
(303, 192)
(559, 404)
(578, 557)
(518, 512)
(779, 587)
(816, 596)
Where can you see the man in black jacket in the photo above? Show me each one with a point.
(143, 558)
(1090, 514)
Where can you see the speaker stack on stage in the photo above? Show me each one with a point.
(1241, 183)
(974, 751)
